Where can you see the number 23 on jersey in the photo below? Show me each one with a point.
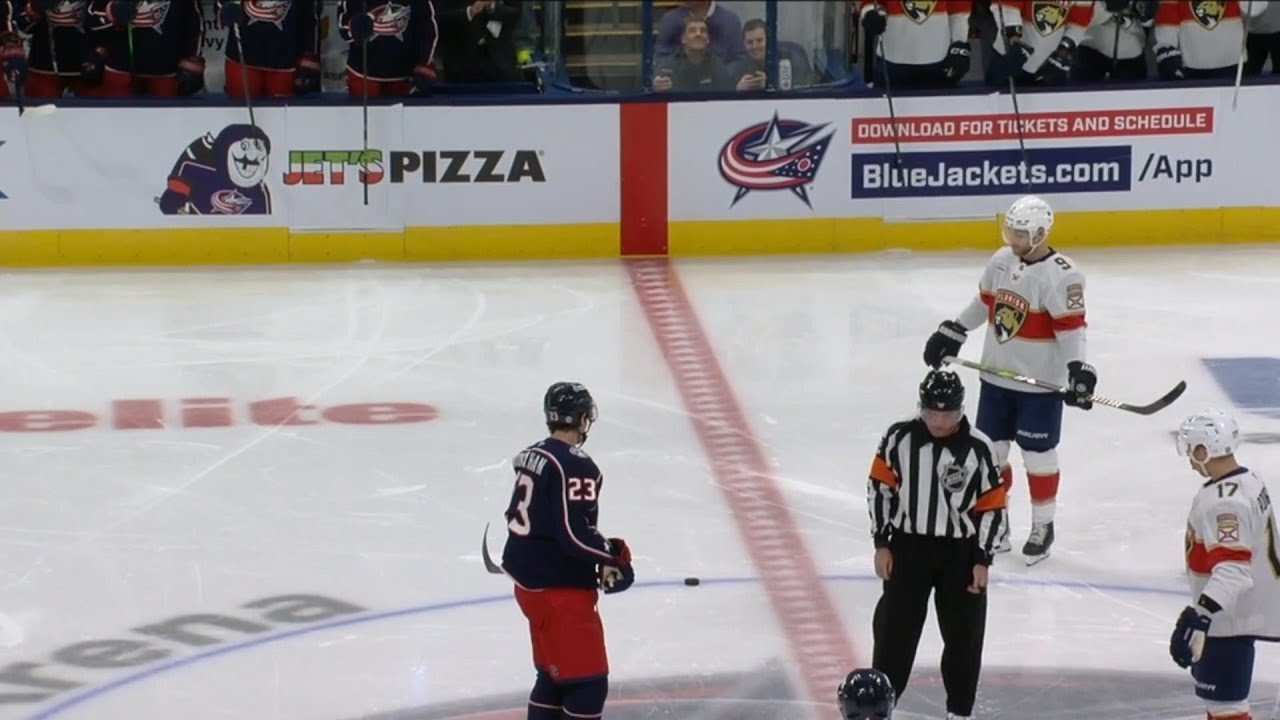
(576, 490)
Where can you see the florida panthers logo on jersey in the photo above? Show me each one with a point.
(919, 10)
(1048, 17)
(1008, 313)
(1208, 12)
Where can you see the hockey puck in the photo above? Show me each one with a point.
(692, 581)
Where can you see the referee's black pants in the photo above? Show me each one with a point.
(943, 566)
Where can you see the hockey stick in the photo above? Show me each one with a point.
(1013, 95)
(364, 104)
(1244, 51)
(888, 94)
(489, 564)
(1150, 409)
(244, 74)
(1115, 47)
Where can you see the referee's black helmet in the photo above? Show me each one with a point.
(941, 390)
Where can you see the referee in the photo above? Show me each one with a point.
(937, 512)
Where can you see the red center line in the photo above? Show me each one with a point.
(815, 632)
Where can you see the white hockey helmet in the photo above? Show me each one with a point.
(1029, 214)
(1214, 429)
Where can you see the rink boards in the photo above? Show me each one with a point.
(200, 185)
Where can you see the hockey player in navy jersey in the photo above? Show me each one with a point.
(281, 39)
(558, 560)
(144, 47)
(401, 38)
(62, 23)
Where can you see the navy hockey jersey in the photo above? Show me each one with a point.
(66, 19)
(404, 35)
(162, 33)
(276, 32)
(552, 539)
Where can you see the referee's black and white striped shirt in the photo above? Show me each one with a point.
(943, 487)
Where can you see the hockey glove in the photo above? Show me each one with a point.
(424, 78)
(14, 57)
(874, 20)
(944, 342)
(1187, 642)
(93, 67)
(1081, 381)
(1169, 63)
(1016, 52)
(956, 65)
(121, 12)
(190, 76)
(231, 10)
(361, 26)
(618, 575)
(306, 78)
(1057, 69)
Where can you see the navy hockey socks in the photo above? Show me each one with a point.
(545, 701)
(585, 699)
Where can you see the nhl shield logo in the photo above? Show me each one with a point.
(953, 477)
(1008, 313)
(919, 10)
(1208, 12)
(1049, 17)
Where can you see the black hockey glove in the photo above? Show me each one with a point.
(190, 76)
(1081, 381)
(618, 575)
(944, 342)
(1016, 52)
(14, 57)
(874, 21)
(230, 13)
(1169, 62)
(306, 77)
(1187, 641)
(93, 67)
(1057, 69)
(956, 65)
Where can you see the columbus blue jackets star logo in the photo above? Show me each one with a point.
(775, 155)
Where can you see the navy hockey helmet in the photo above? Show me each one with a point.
(941, 390)
(569, 405)
(866, 694)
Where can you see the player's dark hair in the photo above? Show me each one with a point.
(754, 24)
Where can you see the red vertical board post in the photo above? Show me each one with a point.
(643, 183)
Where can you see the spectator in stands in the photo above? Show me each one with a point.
(1263, 40)
(695, 67)
(478, 40)
(723, 26)
(751, 72)
(1115, 43)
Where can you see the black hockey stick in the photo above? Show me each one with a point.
(1150, 409)
(489, 564)
(888, 95)
(244, 74)
(1115, 46)
(1013, 95)
(364, 103)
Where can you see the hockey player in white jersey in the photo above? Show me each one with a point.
(1032, 299)
(1233, 566)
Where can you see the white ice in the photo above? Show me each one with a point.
(104, 530)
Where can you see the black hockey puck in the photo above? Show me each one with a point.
(692, 581)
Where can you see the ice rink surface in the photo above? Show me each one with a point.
(260, 493)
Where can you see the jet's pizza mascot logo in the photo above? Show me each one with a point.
(221, 175)
(919, 10)
(1008, 313)
(1048, 17)
(1208, 12)
(774, 155)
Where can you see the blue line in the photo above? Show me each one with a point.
(85, 696)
